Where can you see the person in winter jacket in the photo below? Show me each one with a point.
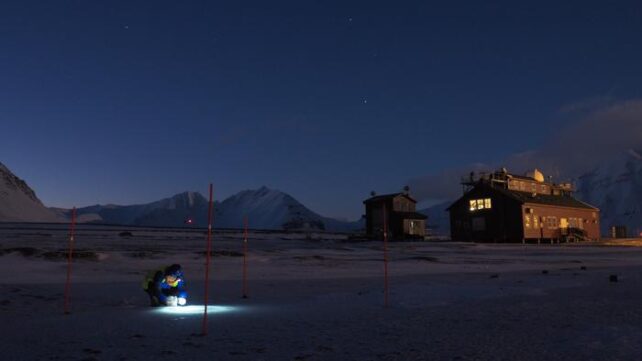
(166, 286)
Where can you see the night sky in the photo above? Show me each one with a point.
(132, 101)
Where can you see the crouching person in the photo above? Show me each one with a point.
(166, 287)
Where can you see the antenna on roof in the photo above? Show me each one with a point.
(373, 193)
(406, 190)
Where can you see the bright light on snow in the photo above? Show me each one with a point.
(193, 309)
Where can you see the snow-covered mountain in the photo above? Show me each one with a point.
(272, 209)
(18, 202)
(265, 209)
(173, 211)
(615, 188)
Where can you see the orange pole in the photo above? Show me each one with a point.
(69, 259)
(385, 256)
(245, 258)
(207, 262)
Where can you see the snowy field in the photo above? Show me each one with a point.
(317, 297)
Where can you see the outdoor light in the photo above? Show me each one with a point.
(193, 309)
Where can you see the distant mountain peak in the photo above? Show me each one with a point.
(189, 198)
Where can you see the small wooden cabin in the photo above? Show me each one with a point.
(399, 212)
(502, 207)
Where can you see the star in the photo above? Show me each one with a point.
(126, 27)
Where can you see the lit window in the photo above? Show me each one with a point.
(527, 221)
(477, 204)
(535, 221)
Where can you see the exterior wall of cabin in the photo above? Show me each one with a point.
(374, 217)
(403, 204)
(499, 223)
(545, 221)
(414, 227)
(398, 227)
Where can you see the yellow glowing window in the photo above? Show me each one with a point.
(527, 221)
(477, 204)
(535, 222)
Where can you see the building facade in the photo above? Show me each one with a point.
(398, 211)
(503, 207)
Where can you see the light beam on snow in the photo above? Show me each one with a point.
(193, 309)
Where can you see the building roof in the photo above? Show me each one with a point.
(546, 199)
(387, 196)
(528, 197)
(411, 215)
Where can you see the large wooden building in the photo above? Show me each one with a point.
(503, 207)
(398, 210)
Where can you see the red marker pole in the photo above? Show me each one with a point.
(207, 262)
(69, 259)
(245, 258)
(385, 256)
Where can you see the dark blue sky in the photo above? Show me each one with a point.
(106, 102)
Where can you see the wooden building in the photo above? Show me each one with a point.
(399, 212)
(503, 207)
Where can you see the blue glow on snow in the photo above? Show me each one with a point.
(194, 309)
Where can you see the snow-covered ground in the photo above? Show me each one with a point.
(316, 297)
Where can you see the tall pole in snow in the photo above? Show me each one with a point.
(245, 258)
(69, 259)
(385, 255)
(207, 262)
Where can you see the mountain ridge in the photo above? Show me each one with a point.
(19, 203)
(266, 209)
